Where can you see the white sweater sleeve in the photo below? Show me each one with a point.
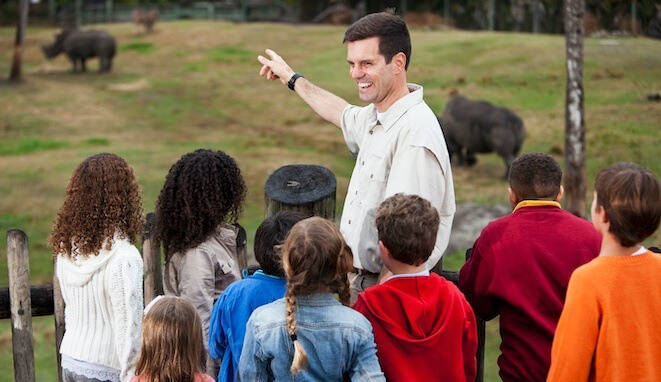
(125, 286)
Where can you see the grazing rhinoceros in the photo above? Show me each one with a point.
(79, 45)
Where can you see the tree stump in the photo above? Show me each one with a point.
(307, 188)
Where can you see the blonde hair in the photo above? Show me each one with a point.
(172, 347)
(315, 258)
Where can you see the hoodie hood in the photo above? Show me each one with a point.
(79, 270)
(414, 309)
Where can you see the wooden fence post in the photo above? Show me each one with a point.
(151, 258)
(58, 313)
(301, 187)
(21, 310)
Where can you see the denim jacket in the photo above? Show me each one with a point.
(338, 341)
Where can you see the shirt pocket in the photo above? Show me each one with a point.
(376, 177)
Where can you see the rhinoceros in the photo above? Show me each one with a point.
(79, 45)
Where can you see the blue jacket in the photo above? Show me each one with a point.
(227, 326)
(338, 342)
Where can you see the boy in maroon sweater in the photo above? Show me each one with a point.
(424, 329)
(521, 263)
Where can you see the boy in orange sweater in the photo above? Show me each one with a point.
(608, 330)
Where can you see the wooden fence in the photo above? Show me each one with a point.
(21, 301)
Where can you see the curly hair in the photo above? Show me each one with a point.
(202, 190)
(103, 198)
(407, 226)
(315, 257)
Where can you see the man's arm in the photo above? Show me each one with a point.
(326, 104)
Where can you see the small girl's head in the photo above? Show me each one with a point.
(627, 203)
(202, 190)
(172, 347)
(315, 259)
(102, 198)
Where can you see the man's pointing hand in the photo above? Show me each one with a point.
(274, 68)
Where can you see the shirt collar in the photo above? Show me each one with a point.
(401, 106)
(536, 203)
(316, 299)
(416, 274)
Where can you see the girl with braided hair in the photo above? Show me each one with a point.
(200, 201)
(308, 333)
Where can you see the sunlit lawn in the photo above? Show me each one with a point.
(194, 84)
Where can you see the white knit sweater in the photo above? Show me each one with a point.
(103, 306)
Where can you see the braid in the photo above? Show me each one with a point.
(300, 357)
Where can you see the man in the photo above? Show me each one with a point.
(396, 139)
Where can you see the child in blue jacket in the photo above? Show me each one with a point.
(230, 314)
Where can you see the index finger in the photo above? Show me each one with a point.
(273, 54)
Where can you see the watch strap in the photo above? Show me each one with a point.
(292, 80)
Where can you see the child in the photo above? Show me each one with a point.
(423, 327)
(308, 335)
(203, 193)
(100, 270)
(521, 263)
(172, 345)
(609, 329)
(230, 314)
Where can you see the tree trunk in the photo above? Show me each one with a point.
(446, 10)
(536, 10)
(574, 117)
(21, 24)
(491, 13)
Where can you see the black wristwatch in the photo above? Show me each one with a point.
(293, 79)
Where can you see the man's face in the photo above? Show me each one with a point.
(369, 69)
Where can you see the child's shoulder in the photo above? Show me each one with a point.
(273, 311)
(201, 377)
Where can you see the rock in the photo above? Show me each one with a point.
(469, 220)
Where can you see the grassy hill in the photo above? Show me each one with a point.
(195, 84)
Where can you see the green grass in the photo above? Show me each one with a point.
(138, 47)
(24, 146)
(194, 84)
(230, 54)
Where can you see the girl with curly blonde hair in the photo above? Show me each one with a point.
(99, 270)
(309, 333)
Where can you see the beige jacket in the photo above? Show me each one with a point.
(202, 273)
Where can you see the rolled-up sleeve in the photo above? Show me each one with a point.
(352, 129)
(416, 170)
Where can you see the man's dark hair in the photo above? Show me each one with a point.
(535, 176)
(630, 196)
(390, 29)
(271, 233)
(407, 226)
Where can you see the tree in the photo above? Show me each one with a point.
(21, 24)
(574, 117)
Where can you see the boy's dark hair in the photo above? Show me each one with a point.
(407, 226)
(535, 176)
(390, 29)
(630, 196)
(270, 233)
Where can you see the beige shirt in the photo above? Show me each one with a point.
(404, 152)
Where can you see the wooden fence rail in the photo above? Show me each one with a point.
(21, 301)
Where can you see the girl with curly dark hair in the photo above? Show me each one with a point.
(100, 270)
(202, 196)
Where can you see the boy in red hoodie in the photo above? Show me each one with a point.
(423, 327)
